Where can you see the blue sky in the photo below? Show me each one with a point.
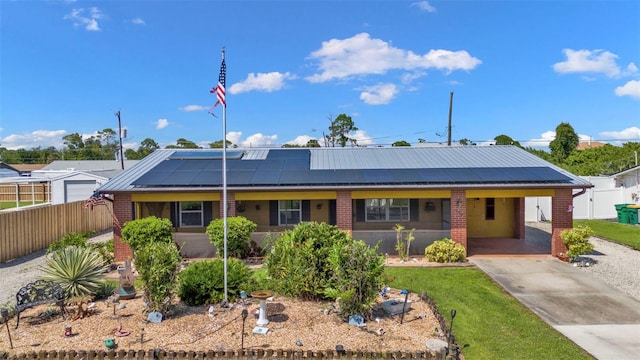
(516, 67)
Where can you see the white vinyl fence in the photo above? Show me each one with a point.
(593, 204)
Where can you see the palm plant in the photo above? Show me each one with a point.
(78, 270)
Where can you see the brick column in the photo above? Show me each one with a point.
(344, 211)
(231, 200)
(122, 212)
(519, 230)
(459, 217)
(561, 219)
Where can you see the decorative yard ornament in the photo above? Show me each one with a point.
(127, 289)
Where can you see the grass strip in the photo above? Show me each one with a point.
(625, 234)
(490, 324)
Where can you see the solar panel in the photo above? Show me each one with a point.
(205, 155)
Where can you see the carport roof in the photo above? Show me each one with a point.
(304, 168)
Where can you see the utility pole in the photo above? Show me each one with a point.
(450, 110)
(120, 137)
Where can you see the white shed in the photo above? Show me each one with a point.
(74, 186)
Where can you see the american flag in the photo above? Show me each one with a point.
(219, 89)
(94, 200)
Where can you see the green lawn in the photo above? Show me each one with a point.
(625, 234)
(489, 323)
(12, 204)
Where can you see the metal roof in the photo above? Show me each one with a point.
(89, 165)
(417, 167)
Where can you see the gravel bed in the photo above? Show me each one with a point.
(19, 272)
(618, 265)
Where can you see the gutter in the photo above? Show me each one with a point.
(579, 193)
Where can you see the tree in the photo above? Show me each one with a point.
(218, 144)
(565, 142)
(340, 129)
(312, 143)
(401, 143)
(506, 140)
(466, 142)
(183, 143)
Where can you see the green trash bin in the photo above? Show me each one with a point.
(632, 213)
(623, 215)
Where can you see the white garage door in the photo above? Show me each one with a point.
(75, 190)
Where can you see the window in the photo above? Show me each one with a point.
(290, 212)
(490, 209)
(191, 214)
(387, 209)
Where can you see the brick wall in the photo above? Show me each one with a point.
(561, 219)
(231, 200)
(122, 212)
(459, 216)
(344, 210)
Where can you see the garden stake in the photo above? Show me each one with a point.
(5, 313)
(406, 296)
(142, 336)
(9, 333)
(244, 317)
(453, 315)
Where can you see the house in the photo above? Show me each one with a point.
(7, 170)
(629, 182)
(463, 193)
(74, 186)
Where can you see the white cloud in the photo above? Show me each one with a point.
(138, 21)
(259, 140)
(234, 137)
(631, 88)
(38, 138)
(362, 55)
(408, 78)
(590, 61)
(88, 18)
(363, 138)
(631, 133)
(266, 82)
(302, 140)
(190, 108)
(379, 94)
(424, 6)
(162, 123)
(544, 140)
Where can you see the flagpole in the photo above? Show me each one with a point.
(224, 183)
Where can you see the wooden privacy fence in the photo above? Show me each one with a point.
(31, 191)
(246, 354)
(28, 230)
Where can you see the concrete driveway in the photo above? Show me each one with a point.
(600, 319)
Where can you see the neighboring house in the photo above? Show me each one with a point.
(583, 145)
(455, 192)
(104, 168)
(629, 181)
(7, 171)
(26, 169)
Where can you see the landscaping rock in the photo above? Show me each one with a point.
(437, 346)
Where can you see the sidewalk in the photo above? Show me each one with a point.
(597, 317)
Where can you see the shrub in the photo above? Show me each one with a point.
(403, 251)
(359, 274)
(70, 239)
(298, 262)
(158, 265)
(81, 240)
(202, 282)
(140, 233)
(239, 230)
(79, 270)
(577, 241)
(445, 250)
(319, 261)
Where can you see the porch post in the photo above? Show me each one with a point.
(561, 218)
(231, 200)
(122, 212)
(519, 208)
(344, 211)
(459, 217)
